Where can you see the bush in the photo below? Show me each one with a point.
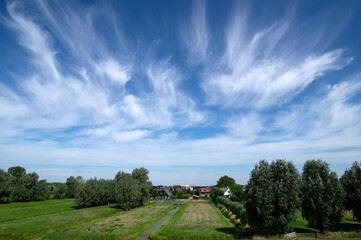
(235, 207)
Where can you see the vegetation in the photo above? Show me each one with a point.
(233, 208)
(124, 225)
(322, 196)
(215, 193)
(236, 189)
(351, 182)
(20, 210)
(196, 221)
(272, 196)
(225, 181)
(18, 186)
(72, 185)
(36, 226)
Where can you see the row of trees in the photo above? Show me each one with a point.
(127, 190)
(18, 186)
(275, 191)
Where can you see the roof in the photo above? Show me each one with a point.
(204, 190)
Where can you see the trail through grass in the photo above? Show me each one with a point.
(14, 211)
(196, 221)
(124, 225)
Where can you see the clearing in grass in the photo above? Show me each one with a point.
(126, 225)
(20, 210)
(32, 227)
(196, 221)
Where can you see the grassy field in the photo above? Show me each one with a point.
(30, 227)
(196, 221)
(126, 225)
(14, 211)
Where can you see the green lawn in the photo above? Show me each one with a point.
(31, 227)
(196, 221)
(126, 225)
(14, 211)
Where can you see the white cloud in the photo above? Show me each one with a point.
(195, 33)
(261, 68)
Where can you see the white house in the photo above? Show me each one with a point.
(227, 192)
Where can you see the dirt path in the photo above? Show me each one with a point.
(156, 226)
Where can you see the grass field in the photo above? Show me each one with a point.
(125, 225)
(196, 221)
(30, 227)
(13, 211)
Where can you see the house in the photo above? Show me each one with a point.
(204, 192)
(227, 192)
(163, 192)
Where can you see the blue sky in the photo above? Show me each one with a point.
(191, 90)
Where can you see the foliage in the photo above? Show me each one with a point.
(215, 193)
(127, 191)
(237, 193)
(272, 196)
(71, 185)
(4, 186)
(322, 195)
(225, 181)
(94, 193)
(351, 182)
(60, 191)
(16, 172)
(141, 174)
(235, 207)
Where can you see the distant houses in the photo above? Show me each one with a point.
(166, 192)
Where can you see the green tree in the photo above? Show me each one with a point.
(60, 191)
(141, 174)
(215, 193)
(41, 191)
(4, 186)
(226, 181)
(237, 193)
(322, 195)
(272, 196)
(351, 182)
(259, 197)
(71, 184)
(16, 172)
(127, 191)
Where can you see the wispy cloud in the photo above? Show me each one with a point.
(194, 33)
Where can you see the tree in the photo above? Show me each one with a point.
(351, 182)
(215, 193)
(4, 186)
(60, 191)
(16, 172)
(71, 184)
(237, 193)
(141, 174)
(322, 195)
(272, 196)
(285, 190)
(225, 181)
(127, 191)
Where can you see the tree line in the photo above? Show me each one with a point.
(276, 191)
(127, 190)
(18, 186)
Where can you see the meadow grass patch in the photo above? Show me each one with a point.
(20, 210)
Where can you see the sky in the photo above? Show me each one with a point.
(191, 90)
